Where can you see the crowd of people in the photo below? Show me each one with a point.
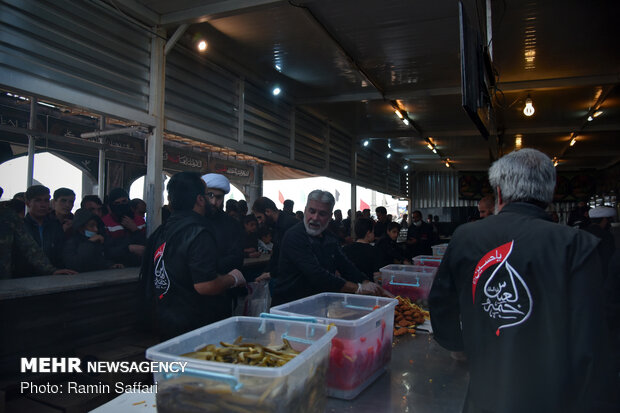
(40, 235)
(531, 304)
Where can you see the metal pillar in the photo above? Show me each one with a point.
(155, 142)
(101, 164)
(353, 208)
(31, 140)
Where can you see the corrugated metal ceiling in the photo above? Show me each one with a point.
(330, 54)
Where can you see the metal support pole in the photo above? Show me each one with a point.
(31, 140)
(155, 142)
(353, 208)
(101, 170)
(240, 111)
(489, 29)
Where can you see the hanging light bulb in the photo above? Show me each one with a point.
(573, 141)
(406, 121)
(398, 113)
(202, 45)
(389, 155)
(447, 164)
(590, 118)
(597, 113)
(405, 168)
(366, 143)
(430, 146)
(528, 110)
(276, 91)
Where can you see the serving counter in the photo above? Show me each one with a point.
(421, 378)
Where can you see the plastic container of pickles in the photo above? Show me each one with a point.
(298, 385)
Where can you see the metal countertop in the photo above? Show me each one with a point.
(422, 377)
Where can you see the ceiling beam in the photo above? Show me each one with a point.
(373, 95)
(540, 84)
(140, 11)
(564, 130)
(560, 83)
(207, 11)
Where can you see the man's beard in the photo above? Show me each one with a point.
(314, 231)
(210, 210)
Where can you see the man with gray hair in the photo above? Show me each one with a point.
(521, 296)
(311, 260)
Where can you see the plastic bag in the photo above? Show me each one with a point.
(256, 302)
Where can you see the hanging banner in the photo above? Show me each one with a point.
(175, 160)
(237, 172)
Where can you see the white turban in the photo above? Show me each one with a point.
(217, 181)
(602, 212)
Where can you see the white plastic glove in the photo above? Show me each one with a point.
(239, 278)
(368, 288)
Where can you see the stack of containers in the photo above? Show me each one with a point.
(439, 250)
(298, 385)
(363, 346)
(412, 281)
(427, 261)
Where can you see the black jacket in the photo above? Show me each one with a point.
(364, 257)
(51, 239)
(284, 223)
(229, 236)
(528, 294)
(82, 255)
(308, 266)
(424, 237)
(180, 253)
(389, 252)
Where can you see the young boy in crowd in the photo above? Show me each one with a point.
(265, 246)
(388, 250)
(84, 250)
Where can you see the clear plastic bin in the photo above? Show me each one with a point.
(363, 346)
(413, 281)
(439, 250)
(427, 260)
(297, 386)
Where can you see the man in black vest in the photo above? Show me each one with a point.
(522, 296)
(179, 271)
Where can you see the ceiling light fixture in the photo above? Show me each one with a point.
(202, 46)
(590, 118)
(430, 146)
(555, 162)
(365, 143)
(398, 113)
(528, 110)
(389, 155)
(518, 141)
(447, 163)
(573, 141)
(406, 121)
(597, 113)
(405, 167)
(276, 91)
